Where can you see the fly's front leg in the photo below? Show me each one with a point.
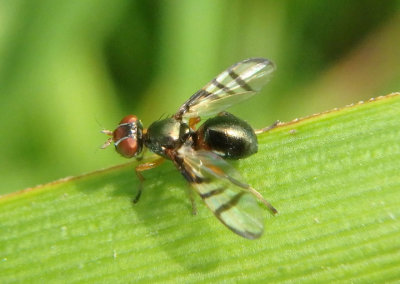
(268, 128)
(141, 168)
(140, 157)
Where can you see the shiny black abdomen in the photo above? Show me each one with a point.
(227, 136)
(165, 134)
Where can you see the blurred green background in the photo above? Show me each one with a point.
(71, 68)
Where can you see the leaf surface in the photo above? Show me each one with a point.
(334, 178)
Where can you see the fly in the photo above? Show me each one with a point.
(200, 153)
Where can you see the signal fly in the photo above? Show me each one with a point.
(200, 154)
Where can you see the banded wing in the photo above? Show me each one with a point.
(222, 189)
(238, 83)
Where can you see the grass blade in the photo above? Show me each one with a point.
(334, 178)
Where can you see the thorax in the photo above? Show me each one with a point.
(166, 134)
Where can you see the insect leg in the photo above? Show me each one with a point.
(193, 121)
(268, 128)
(141, 155)
(192, 200)
(144, 167)
(188, 174)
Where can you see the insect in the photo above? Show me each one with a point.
(200, 154)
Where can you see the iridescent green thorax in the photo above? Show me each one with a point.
(166, 134)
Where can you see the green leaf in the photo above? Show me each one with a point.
(334, 178)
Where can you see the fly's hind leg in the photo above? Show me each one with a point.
(268, 128)
(141, 168)
(190, 193)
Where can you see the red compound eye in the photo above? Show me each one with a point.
(129, 119)
(128, 147)
(128, 136)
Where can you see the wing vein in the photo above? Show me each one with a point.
(231, 203)
(240, 81)
(213, 193)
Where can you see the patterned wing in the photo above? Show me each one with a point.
(238, 83)
(221, 188)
